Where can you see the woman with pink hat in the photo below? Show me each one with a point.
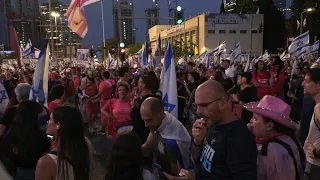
(280, 155)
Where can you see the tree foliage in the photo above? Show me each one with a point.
(134, 48)
(313, 18)
(222, 9)
(274, 23)
(110, 43)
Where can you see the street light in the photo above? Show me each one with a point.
(301, 17)
(55, 15)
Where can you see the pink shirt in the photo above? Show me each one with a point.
(105, 87)
(278, 164)
(120, 110)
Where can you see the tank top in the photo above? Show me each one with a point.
(67, 168)
(313, 139)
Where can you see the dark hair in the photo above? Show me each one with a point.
(71, 143)
(125, 160)
(122, 71)
(57, 91)
(151, 83)
(278, 62)
(314, 75)
(27, 140)
(106, 74)
(191, 64)
(247, 75)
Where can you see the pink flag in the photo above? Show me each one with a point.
(76, 16)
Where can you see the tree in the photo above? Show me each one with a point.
(222, 9)
(246, 7)
(110, 43)
(133, 49)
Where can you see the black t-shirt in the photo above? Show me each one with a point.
(249, 94)
(230, 154)
(8, 116)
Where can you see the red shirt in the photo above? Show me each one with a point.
(76, 81)
(105, 87)
(91, 90)
(262, 78)
(53, 105)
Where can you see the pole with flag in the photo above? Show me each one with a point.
(168, 83)
(14, 44)
(39, 90)
(157, 52)
(4, 98)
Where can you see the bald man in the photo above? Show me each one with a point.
(223, 146)
(168, 138)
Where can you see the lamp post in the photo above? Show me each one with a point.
(301, 17)
(55, 15)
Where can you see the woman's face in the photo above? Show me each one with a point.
(259, 127)
(52, 127)
(190, 78)
(122, 92)
(260, 65)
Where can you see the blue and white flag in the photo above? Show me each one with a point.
(299, 45)
(236, 53)
(206, 61)
(183, 61)
(27, 51)
(39, 90)
(295, 66)
(157, 52)
(317, 61)
(249, 66)
(110, 61)
(4, 98)
(220, 49)
(168, 83)
(143, 57)
(314, 48)
(36, 53)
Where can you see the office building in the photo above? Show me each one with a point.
(25, 18)
(207, 31)
(127, 27)
(284, 7)
(4, 34)
(153, 15)
(65, 41)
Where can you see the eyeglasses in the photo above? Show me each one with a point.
(208, 103)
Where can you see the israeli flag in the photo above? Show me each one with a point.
(314, 48)
(295, 66)
(318, 61)
(183, 61)
(4, 98)
(143, 57)
(249, 66)
(168, 83)
(220, 49)
(236, 53)
(298, 46)
(27, 51)
(206, 61)
(110, 61)
(39, 90)
(157, 52)
(36, 53)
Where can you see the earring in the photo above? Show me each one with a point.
(57, 127)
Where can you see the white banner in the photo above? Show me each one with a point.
(83, 56)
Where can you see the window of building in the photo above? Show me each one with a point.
(243, 31)
(222, 31)
(211, 31)
(254, 31)
(232, 31)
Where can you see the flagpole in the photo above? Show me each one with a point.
(103, 34)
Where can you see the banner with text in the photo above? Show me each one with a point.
(83, 56)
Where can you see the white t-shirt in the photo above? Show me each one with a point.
(229, 73)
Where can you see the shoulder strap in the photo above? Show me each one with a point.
(314, 120)
(288, 148)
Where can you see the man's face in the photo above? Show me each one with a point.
(140, 85)
(151, 121)
(225, 64)
(208, 106)
(310, 88)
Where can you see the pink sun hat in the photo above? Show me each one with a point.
(273, 108)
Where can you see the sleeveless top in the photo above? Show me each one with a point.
(313, 139)
(67, 168)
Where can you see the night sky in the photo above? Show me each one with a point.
(93, 15)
